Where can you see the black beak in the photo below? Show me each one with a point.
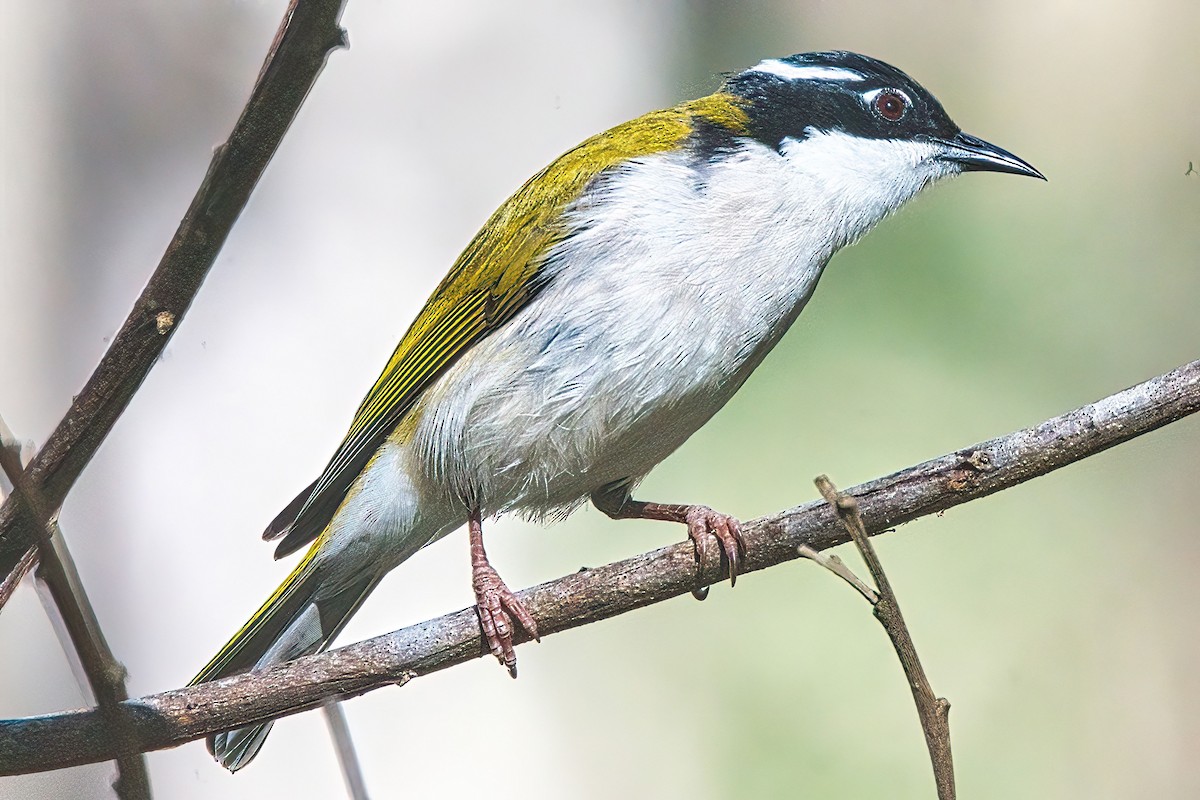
(976, 154)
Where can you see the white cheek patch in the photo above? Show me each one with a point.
(800, 72)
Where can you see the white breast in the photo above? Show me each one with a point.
(679, 277)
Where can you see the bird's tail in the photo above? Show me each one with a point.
(299, 619)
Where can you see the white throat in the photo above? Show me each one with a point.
(852, 182)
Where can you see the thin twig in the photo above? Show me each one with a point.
(29, 559)
(104, 674)
(933, 711)
(831, 562)
(13, 579)
(82, 639)
(343, 745)
(309, 31)
(172, 718)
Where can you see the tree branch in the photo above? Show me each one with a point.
(343, 746)
(30, 559)
(308, 33)
(934, 711)
(81, 637)
(19, 571)
(172, 718)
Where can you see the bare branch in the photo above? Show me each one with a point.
(29, 559)
(934, 711)
(104, 674)
(339, 731)
(28, 530)
(13, 579)
(831, 562)
(172, 718)
(308, 33)
(82, 640)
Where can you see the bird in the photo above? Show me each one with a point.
(601, 316)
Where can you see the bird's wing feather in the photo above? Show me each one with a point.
(502, 268)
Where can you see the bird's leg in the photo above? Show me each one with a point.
(496, 604)
(702, 522)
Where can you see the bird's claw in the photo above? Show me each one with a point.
(498, 610)
(703, 523)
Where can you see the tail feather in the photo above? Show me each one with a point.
(293, 622)
(235, 749)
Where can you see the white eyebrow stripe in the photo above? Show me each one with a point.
(795, 72)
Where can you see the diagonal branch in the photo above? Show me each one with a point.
(84, 640)
(20, 570)
(30, 559)
(934, 711)
(171, 718)
(308, 33)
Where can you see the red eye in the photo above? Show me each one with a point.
(891, 105)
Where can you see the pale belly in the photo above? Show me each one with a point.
(590, 385)
(672, 289)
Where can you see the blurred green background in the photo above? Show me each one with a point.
(1057, 617)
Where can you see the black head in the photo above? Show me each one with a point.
(861, 96)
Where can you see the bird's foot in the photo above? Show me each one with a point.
(702, 523)
(498, 610)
